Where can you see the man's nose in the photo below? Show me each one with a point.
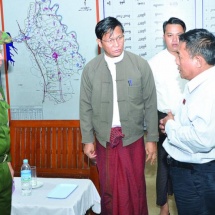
(175, 38)
(116, 42)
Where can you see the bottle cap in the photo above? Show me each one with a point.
(25, 161)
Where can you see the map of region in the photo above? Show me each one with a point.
(54, 50)
(52, 42)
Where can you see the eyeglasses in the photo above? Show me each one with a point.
(111, 41)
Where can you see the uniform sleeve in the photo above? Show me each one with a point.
(4, 128)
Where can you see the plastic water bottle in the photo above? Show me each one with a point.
(26, 178)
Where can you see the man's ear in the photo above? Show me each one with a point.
(199, 60)
(99, 43)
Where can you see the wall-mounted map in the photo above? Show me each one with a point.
(52, 42)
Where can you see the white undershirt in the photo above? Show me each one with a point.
(112, 67)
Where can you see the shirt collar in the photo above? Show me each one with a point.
(199, 79)
(114, 59)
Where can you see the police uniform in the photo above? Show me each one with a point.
(5, 175)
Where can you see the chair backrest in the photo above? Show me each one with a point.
(53, 146)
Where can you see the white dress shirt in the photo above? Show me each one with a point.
(191, 135)
(169, 84)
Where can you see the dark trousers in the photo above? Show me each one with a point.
(163, 181)
(194, 188)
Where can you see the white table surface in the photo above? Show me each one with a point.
(78, 202)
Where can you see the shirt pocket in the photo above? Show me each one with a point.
(134, 90)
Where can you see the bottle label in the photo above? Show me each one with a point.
(26, 175)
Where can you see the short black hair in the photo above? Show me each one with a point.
(200, 42)
(174, 20)
(106, 25)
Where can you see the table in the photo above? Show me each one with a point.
(78, 202)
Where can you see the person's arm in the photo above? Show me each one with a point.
(89, 150)
(164, 121)
(195, 131)
(151, 151)
(87, 130)
(151, 117)
(150, 101)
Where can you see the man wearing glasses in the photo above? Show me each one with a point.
(117, 94)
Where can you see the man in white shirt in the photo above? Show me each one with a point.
(190, 140)
(169, 88)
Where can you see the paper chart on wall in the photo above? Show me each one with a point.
(208, 15)
(143, 21)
